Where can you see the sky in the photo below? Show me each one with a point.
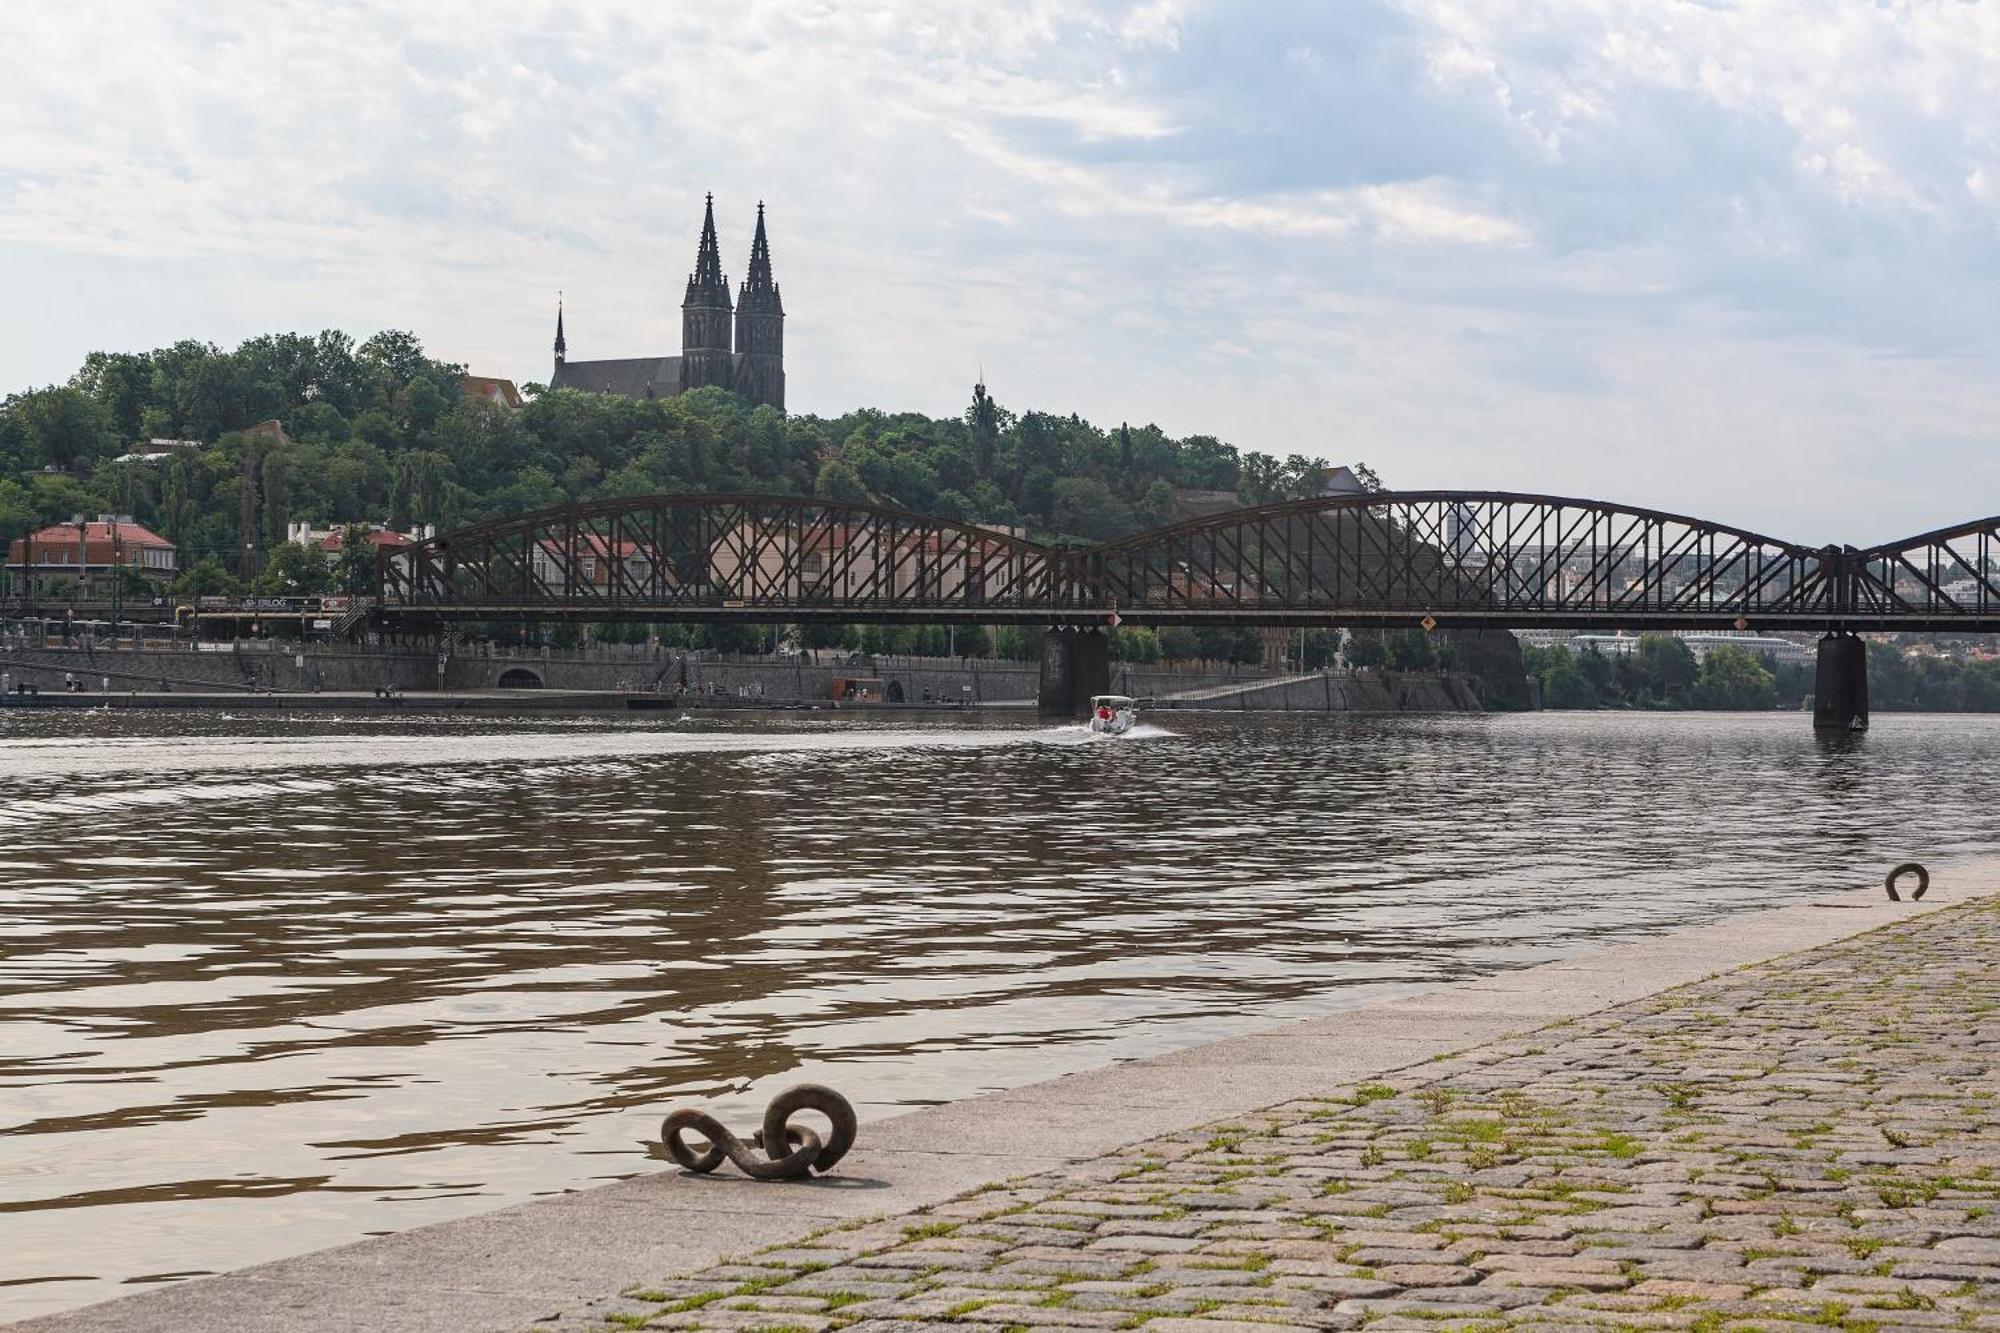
(1735, 258)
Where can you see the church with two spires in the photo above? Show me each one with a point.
(739, 346)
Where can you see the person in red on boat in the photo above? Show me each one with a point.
(1104, 712)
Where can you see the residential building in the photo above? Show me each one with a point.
(85, 556)
(331, 539)
(489, 389)
(157, 451)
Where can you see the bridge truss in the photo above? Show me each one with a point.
(1466, 558)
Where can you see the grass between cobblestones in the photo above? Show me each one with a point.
(1814, 1141)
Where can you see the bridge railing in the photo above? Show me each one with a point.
(1447, 552)
(1388, 558)
(1953, 573)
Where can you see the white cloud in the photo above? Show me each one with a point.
(1631, 246)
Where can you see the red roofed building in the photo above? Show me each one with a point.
(331, 539)
(488, 389)
(86, 555)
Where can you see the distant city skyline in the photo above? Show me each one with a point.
(1734, 260)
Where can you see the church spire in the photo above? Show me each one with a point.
(760, 255)
(705, 316)
(562, 347)
(760, 327)
(707, 275)
(759, 294)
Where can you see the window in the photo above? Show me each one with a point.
(813, 565)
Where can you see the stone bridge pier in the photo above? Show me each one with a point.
(1840, 685)
(1076, 663)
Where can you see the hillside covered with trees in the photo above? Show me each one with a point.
(379, 431)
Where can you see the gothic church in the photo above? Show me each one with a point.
(753, 367)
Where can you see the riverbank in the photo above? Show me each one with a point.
(506, 703)
(254, 666)
(1813, 1135)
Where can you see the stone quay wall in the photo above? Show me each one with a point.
(283, 667)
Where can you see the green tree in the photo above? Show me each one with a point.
(1667, 668)
(1261, 480)
(1365, 649)
(1733, 677)
(1086, 507)
(207, 578)
(838, 480)
(354, 563)
(64, 428)
(294, 571)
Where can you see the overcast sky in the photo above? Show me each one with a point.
(1739, 259)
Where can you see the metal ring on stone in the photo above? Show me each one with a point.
(1907, 868)
(804, 1151)
(812, 1097)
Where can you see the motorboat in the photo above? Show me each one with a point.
(1113, 714)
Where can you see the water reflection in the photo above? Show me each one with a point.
(267, 985)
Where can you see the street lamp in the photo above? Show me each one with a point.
(117, 576)
(82, 555)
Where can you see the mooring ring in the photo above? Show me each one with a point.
(1907, 868)
(798, 1151)
(811, 1097)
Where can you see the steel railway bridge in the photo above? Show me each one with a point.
(1435, 559)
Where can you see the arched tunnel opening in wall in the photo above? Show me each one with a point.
(519, 678)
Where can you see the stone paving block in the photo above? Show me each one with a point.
(1810, 1140)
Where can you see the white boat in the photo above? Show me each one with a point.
(1113, 714)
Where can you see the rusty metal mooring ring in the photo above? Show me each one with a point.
(1907, 868)
(804, 1151)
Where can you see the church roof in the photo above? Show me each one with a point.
(635, 377)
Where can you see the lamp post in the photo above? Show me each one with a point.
(82, 568)
(82, 556)
(117, 576)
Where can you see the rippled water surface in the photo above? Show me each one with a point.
(267, 985)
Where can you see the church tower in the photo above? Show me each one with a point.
(562, 347)
(760, 328)
(705, 315)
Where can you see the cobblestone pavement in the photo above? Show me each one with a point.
(1815, 1140)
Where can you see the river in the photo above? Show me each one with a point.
(269, 984)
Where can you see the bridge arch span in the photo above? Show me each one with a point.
(721, 556)
(1945, 576)
(1467, 557)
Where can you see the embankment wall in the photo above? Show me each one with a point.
(292, 667)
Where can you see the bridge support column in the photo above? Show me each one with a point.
(1076, 663)
(1840, 686)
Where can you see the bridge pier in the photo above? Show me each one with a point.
(1076, 663)
(1840, 685)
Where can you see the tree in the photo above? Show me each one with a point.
(1261, 481)
(274, 476)
(1666, 666)
(354, 564)
(64, 428)
(207, 578)
(1178, 643)
(838, 480)
(1365, 649)
(983, 417)
(1733, 677)
(1563, 686)
(17, 511)
(294, 571)
(1085, 507)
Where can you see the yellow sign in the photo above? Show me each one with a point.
(1428, 624)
